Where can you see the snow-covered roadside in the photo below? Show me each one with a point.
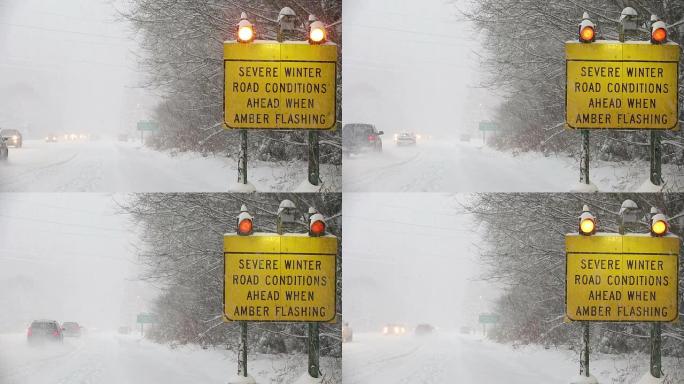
(454, 166)
(106, 166)
(106, 358)
(455, 358)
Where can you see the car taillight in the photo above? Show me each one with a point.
(29, 332)
(55, 333)
(371, 138)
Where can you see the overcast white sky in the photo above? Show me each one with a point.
(68, 257)
(67, 65)
(411, 66)
(411, 258)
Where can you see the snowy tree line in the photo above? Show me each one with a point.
(525, 60)
(182, 252)
(525, 255)
(182, 41)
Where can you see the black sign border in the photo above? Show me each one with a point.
(674, 128)
(223, 293)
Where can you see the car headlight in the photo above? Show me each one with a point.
(15, 137)
(385, 330)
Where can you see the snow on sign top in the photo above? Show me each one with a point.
(272, 85)
(614, 85)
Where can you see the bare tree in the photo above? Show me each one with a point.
(525, 255)
(182, 251)
(524, 42)
(182, 42)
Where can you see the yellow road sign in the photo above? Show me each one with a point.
(612, 277)
(632, 85)
(280, 278)
(271, 85)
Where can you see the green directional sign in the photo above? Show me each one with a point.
(147, 318)
(148, 125)
(489, 318)
(488, 126)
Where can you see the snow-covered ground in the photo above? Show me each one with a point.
(454, 166)
(102, 358)
(112, 166)
(455, 358)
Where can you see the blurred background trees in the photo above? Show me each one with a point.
(182, 251)
(182, 41)
(525, 62)
(524, 254)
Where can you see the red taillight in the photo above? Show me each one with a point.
(55, 333)
(29, 332)
(371, 138)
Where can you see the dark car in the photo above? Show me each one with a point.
(424, 329)
(44, 331)
(4, 151)
(12, 137)
(357, 138)
(71, 329)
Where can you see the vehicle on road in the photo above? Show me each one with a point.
(394, 330)
(406, 138)
(71, 329)
(347, 333)
(12, 137)
(44, 331)
(424, 329)
(51, 138)
(359, 137)
(4, 151)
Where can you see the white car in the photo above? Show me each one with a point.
(406, 138)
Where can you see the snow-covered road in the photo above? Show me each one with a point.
(104, 358)
(455, 358)
(439, 166)
(96, 359)
(112, 166)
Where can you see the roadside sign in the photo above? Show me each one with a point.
(488, 318)
(612, 277)
(488, 126)
(272, 85)
(289, 278)
(148, 125)
(614, 85)
(147, 318)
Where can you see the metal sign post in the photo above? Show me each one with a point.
(314, 350)
(584, 158)
(656, 158)
(242, 356)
